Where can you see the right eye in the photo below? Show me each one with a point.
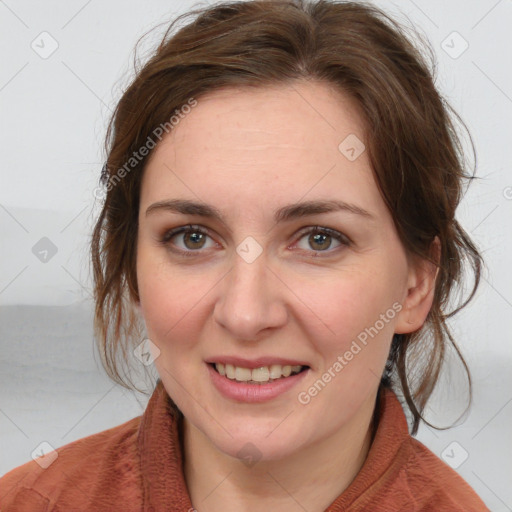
(193, 238)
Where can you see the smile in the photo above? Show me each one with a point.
(261, 375)
(255, 385)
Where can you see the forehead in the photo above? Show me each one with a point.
(287, 136)
(310, 115)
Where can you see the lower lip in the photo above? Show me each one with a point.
(253, 393)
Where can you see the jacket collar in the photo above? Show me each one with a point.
(164, 486)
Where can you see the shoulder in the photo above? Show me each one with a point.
(433, 485)
(402, 474)
(75, 471)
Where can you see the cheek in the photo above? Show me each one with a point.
(170, 307)
(348, 303)
(358, 308)
(353, 351)
(172, 300)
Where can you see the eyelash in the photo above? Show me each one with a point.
(169, 235)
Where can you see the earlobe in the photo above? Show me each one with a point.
(420, 292)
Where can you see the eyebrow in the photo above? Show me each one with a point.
(285, 213)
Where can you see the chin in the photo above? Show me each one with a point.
(250, 450)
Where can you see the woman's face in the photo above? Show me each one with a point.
(259, 289)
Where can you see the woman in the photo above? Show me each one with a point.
(279, 221)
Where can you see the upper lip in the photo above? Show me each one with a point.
(255, 363)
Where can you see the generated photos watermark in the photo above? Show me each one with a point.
(143, 151)
(305, 397)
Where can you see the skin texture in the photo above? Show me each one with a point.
(249, 152)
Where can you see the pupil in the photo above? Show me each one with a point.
(195, 237)
(319, 238)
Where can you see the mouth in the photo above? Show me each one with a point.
(257, 376)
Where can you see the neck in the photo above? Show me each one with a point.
(307, 480)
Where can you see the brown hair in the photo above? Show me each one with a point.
(415, 151)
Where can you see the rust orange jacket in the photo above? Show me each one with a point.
(137, 466)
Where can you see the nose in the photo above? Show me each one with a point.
(251, 300)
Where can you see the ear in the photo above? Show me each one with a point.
(420, 291)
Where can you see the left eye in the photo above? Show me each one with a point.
(320, 239)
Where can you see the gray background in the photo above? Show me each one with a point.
(54, 110)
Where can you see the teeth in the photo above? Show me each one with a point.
(242, 374)
(262, 374)
(275, 371)
(230, 371)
